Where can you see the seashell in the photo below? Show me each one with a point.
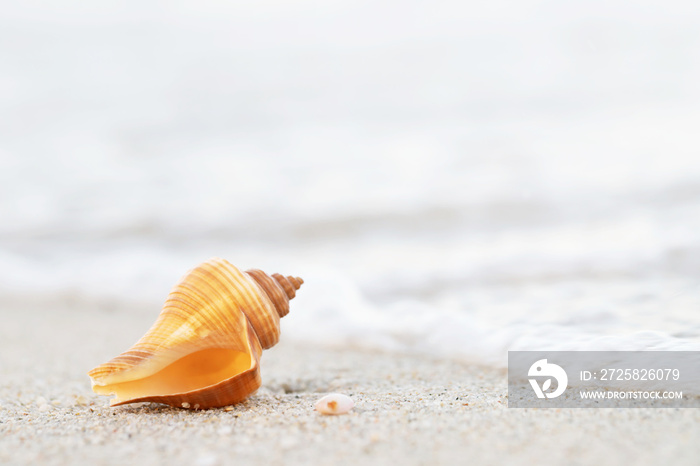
(334, 403)
(204, 349)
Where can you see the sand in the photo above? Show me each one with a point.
(408, 409)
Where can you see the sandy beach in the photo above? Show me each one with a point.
(408, 409)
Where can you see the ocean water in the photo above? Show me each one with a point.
(453, 178)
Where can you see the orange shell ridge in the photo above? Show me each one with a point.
(204, 349)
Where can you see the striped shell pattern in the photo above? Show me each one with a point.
(204, 349)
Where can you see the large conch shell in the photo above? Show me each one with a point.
(204, 349)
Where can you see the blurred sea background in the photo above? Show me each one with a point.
(449, 178)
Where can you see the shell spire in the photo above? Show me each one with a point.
(204, 349)
(280, 290)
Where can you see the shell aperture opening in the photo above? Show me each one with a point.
(192, 372)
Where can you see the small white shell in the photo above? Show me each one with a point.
(334, 403)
